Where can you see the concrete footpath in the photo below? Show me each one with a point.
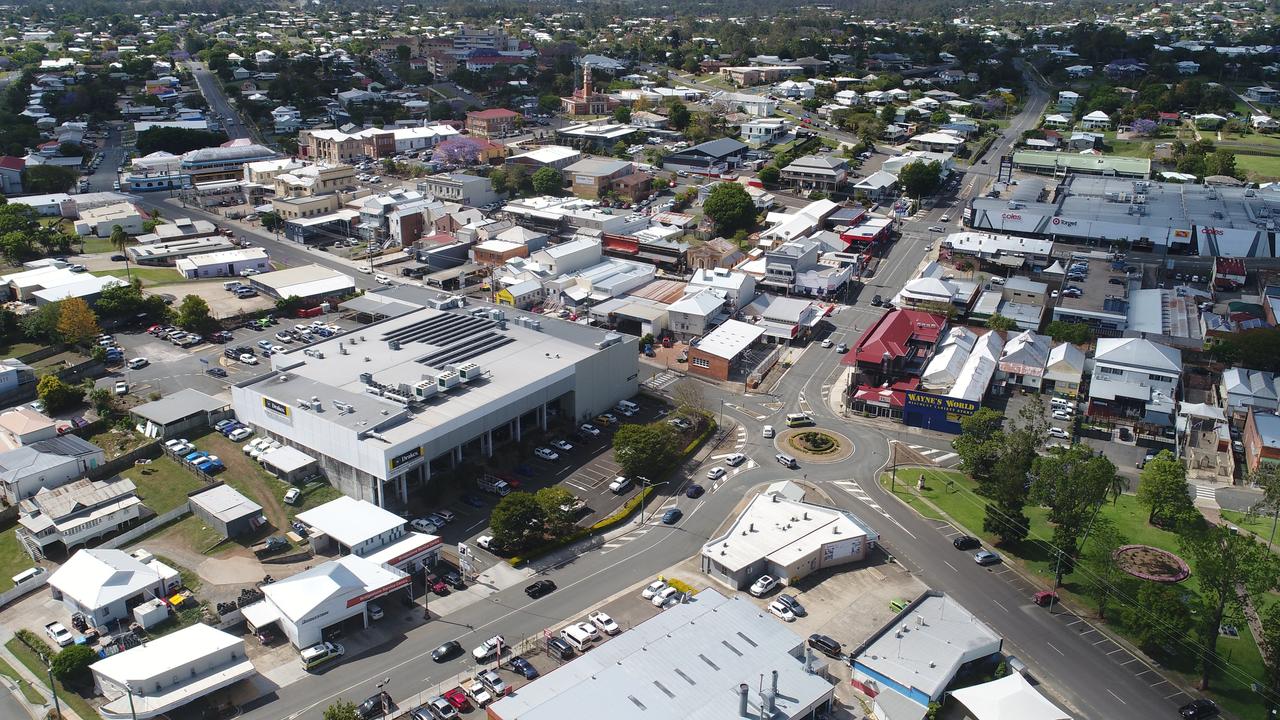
(34, 710)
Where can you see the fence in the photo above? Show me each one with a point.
(24, 589)
(123, 539)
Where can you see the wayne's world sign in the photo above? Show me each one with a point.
(936, 412)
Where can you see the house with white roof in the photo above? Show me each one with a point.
(739, 288)
(1067, 100)
(105, 584)
(1064, 370)
(780, 535)
(1135, 380)
(1244, 389)
(1023, 360)
(1057, 121)
(721, 351)
(170, 671)
(1096, 120)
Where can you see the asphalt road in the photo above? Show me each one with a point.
(211, 88)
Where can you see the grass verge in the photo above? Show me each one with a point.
(150, 276)
(32, 695)
(955, 494)
(33, 663)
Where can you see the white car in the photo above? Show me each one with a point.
(735, 460)
(479, 693)
(653, 588)
(767, 431)
(489, 648)
(292, 496)
(254, 444)
(1057, 432)
(424, 526)
(239, 434)
(177, 445)
(1061, 415)
(604, 622)
(248, 359)
(589, 429)
(364, 269)
(138, 362)
(665, 597)
(375, 611)
(547, 454)
(826, 343)
(715, 473)
(779, 608)
(122, 387)
(382, 279)
(485, 541)
(762, 585)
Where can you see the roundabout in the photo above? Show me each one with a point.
(815, 446)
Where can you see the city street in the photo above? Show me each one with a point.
(211, 88)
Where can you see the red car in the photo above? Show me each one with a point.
(457, 697)
(436, 585)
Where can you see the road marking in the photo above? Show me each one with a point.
(473, 527)
(1002, 607)
(946, 457)
(1056, 649)
(953, 567)
(1174, 695)
(1122, 702)
(1113, 652)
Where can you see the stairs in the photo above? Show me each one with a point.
(30, 545)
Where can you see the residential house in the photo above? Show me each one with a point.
(1096, 120)
(764, 131)
(694, 314)
(879, 186)
(11, 174)
(1057, 121)
(1262, 94)
(827, 173)
(753, 105)
(23, 425)
(470, 190)
(1243, 390)
(1064, 370)
(1135, 380)
(76, 513)
(106, 585)
(937, 142)
(739, 288)
(46, 464)
(1023, 359)
(1067, 100)
(1187, 67)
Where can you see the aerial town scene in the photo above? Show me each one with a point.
(730, 360)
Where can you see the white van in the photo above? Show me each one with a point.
(577, 638)
(626, 407)
(321, 654)
(1060, 402)
(620, 485)
(28, 575)
(785, 460)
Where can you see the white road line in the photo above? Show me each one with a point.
(947, 457)
(1113, 652)
(1122, 702)
(953, 567)
(1002, 607)
(1056, 649)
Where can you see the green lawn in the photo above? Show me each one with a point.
(18, 349)
(32, 695)
(166, 486)
(28, 658)
(13, 559)
(93, 244)
(150, 276)
(954, 494)
(1131, 148)
(1259, 525)
(1259, 167)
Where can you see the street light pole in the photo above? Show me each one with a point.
(52, 688)
(129, 689)
(382, 697)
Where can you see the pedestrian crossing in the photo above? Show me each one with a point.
(1205, 492)
(941, 458)
(661, 380)
(621, 540)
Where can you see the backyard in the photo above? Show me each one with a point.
(162, 484)
(150, 276)
(952, 494)
(13, 559)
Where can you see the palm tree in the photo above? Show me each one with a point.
(119, 240)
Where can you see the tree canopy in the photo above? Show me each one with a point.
(1072, 483)
(77, 324)
(193, 314)
(1162, 488)
(177, 140)
(646, 450)
(732, 209)
(921, 178)
(515, 518)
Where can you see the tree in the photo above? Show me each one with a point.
(1142, 127)
(1229, 565)
(271, 220)
(979, 444)
(889, 113)
(42, 324)
(1073, 483)
(556, 504)
(1097, 557)
(1162, 488)
(71, 666)
(341, 710)
(729, 205)
(1267, 477)
(1258, 349)
(1220, 162)
(920, 178)
(48, 179)
(76, 322)
(1158, 615)
(689, 399)
(102, 400)
(56, 394)
(678, 116)
(646, 450)
(1074, 333)
(547, 181)
(1000, 322)
(1004, 515)
(403, 53)
(622, 114)
(193, 314)
(513, 518)
(120, 241)
(177, 140)
(769, 175)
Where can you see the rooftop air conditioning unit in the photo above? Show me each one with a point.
(468, 371)
(366, 378)
(447, 380)
(394, 344)
(425, 389)
(303, 404)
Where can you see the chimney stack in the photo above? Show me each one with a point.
(774, 682)
(743, 690)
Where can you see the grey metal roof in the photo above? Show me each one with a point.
(78, 496)
(179, 405)
(66, 445)
(25, 461)
(225, 503)
(715, 148)
(686, 662)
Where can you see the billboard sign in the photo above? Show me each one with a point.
(936, 412)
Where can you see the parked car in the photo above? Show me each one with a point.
(239, 434)
(763, 585)
(605, 623)
(138, 363)
(966, 542)
(665, 598)
(562, 445)
(589, 429)
(652, 589)
(524, 667)
(781, 610)
(374, 706)
(546, 454)
(791, 602)
(121, 387)
(489, 648)
(825, 645)
(1198, 709)
(423, 525)
(292, 495)
(986, 557)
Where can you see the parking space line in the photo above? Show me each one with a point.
(1113, 652)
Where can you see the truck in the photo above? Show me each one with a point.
(59, 633)
(495, 485)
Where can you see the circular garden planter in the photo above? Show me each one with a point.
(1151, 563)
(815, 445)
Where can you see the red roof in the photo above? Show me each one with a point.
(9, 162)
(1170, 116)
(895, 395)
(892, 333)
(491, 114)
(1229, 266)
